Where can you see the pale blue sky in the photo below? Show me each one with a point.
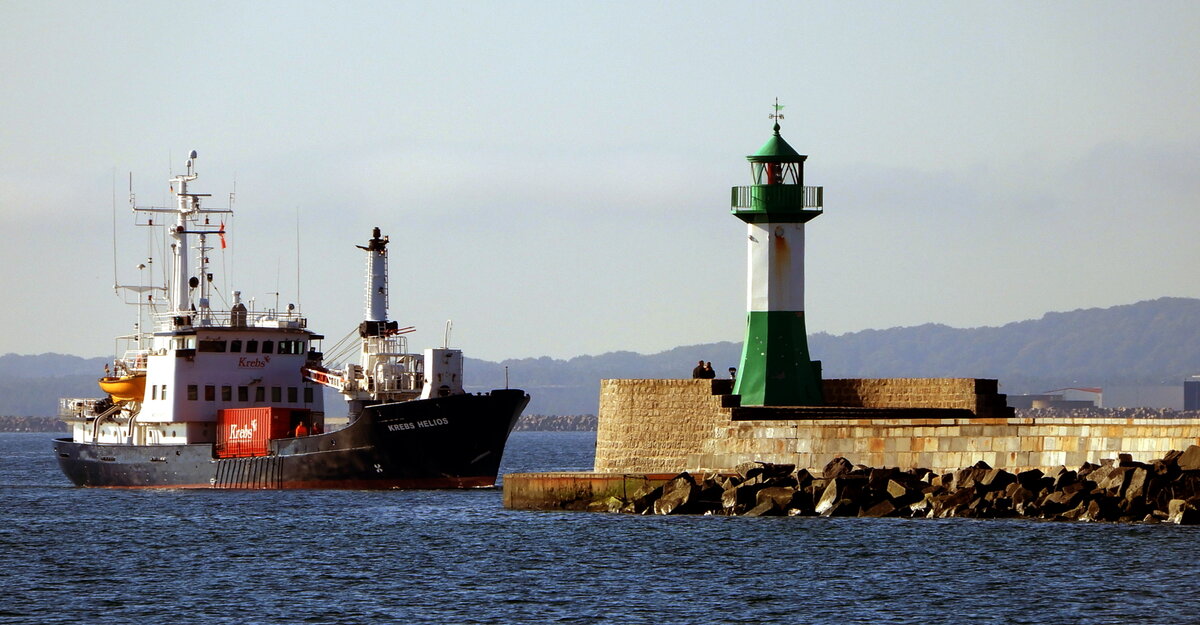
(555, 176)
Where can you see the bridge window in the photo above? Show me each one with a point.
(210, 392)
(243, 393)
(308, 395)
(209, 345)
(260, 394)
(163, 395)
(154, 391)
(267, 347)
(192, 393)
(235, 346)
(276, 394)
(293, 395)
(252, 346)
(226, 393)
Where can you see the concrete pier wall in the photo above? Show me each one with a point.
(657, 426)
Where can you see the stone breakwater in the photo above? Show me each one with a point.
(556, 423)
(943, 424)
(32, 424)
(1122, 490)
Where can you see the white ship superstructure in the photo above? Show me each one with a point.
(386, 371)
(197, 360)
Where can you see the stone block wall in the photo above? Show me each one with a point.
(1014, 444)
(981, 397)
(650, 426)
(660, 426)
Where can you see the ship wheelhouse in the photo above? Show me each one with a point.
(194, 372)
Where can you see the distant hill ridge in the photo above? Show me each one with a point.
(1149, 342)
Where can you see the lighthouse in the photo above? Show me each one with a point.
(776, 369)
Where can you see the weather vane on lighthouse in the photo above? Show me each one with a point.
(778, 114)
(776, 369)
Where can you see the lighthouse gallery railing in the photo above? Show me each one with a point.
(781, 195)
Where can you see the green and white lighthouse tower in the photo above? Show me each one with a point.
(776, 369)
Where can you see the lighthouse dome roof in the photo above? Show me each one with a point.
(776, 150)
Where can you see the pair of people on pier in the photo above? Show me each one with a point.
(703, 371)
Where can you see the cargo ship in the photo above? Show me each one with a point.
(232, 398)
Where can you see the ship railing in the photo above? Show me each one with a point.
(402, 373)
(166, 322)
(76, 406)
(387, 346)
(408, 381)
(132, 363)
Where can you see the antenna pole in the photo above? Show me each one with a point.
(297, 257)
(114, 224)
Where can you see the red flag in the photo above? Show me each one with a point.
(221, 233)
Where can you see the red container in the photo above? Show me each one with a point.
(243, 432)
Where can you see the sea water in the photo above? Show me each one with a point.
(72, 555)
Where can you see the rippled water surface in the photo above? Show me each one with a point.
(71, 555)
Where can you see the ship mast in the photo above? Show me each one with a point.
(377, 282)
(188, 204)
(187, 221)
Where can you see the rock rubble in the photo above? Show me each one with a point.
(1120, 490)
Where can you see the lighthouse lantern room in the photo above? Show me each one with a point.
(776, 369)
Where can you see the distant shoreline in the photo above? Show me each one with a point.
(527, 423)
(32, 424)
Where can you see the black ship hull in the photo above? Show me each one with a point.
(445, 442)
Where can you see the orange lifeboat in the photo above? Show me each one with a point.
(125, 388)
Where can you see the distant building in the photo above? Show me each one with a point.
(1160, 396)
(1191, 394)
(1063, 398)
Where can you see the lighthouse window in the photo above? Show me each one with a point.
(210, 392)
(192, 392)
(260, 394)
(276, 394)
(268, 347)
(235, 346)
(252, 346)
(293, 395)
(243, 393)
(226, 393)
(308, 395)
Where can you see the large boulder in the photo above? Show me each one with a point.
(1190, 460)
(837, 468)
(1182, 512)
(840, 497)
(996, 479)
(766, 508)
(679, 496)
(740, 498)
(608, 504)
(780, 496)
(1032, 480)
(877, 479)
(1103, 508)
(883, 508)
(1135, 486)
